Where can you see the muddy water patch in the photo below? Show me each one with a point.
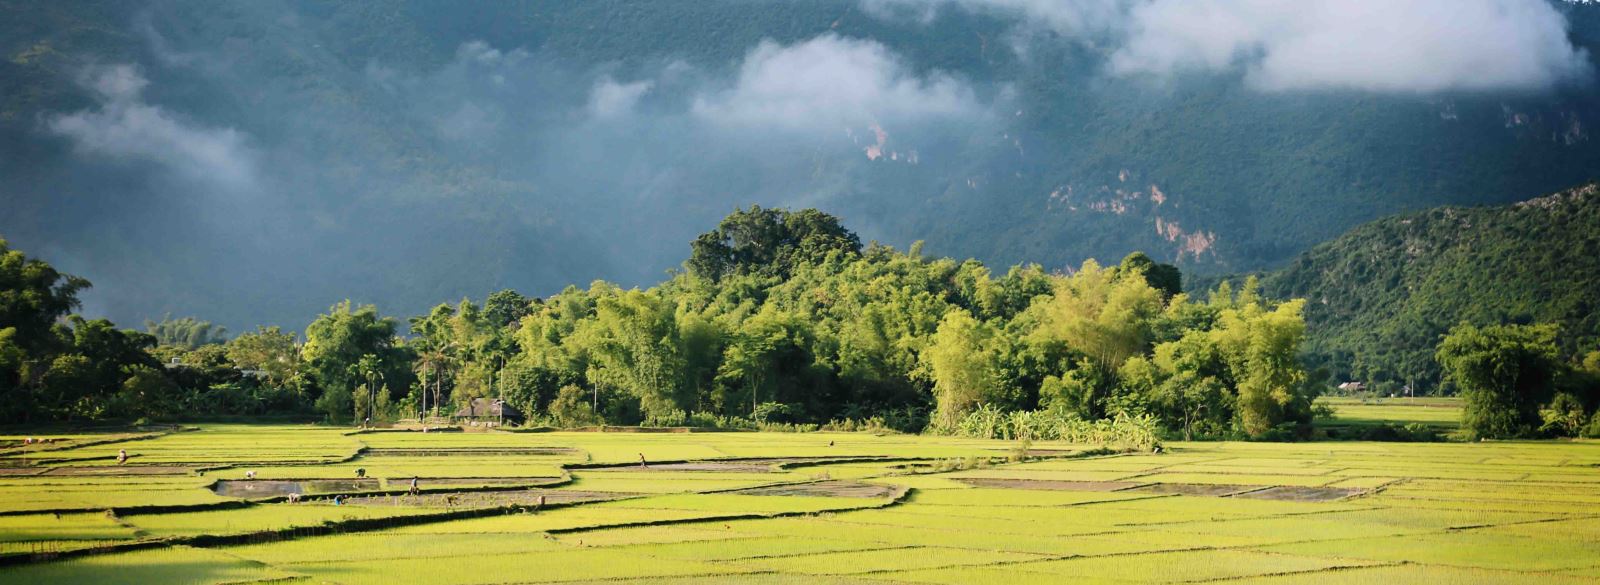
(1196, 489)
(531, 497)
(1048, 484)
(1302, 494)
(264, 488)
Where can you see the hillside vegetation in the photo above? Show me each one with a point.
(1380, 297)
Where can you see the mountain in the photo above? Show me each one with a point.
(1381, 295)
(254, 161)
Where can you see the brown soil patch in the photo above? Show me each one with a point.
(107, 470)
(1302, 494)
(21, 471)
(263, 488)
(475, 481)
(1196, 489)
(453, 452)
(732, 465)
(836, 488)
(487, 499)
(1048, 452)
(1047, 484)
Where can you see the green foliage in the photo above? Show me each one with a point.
(789, 325)
(964, 359)
(1505, 373)
(268, 350)
(1123, 431)
(769, 242)
(1384, 293)
(347, 347)
(571, 408)
(187, 332)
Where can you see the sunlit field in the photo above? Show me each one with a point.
(212, 505)
(1442, 413)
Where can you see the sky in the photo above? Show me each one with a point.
(239, 164)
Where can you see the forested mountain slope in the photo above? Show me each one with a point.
(1380, 296)
(251, 161)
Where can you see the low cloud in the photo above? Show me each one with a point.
(830, 82)
(1373, 45)
(482, 53)
(1411, 46)
(610, 100)
(126, 127)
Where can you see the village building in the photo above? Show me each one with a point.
(488, 411)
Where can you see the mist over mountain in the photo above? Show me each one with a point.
(256, 161)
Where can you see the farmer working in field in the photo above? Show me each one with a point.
(642, 462)
(122, 456)
(414, 491)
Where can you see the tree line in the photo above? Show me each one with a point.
(777, 318)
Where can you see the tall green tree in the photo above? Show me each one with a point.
(769, 242)
(963, 362)
(269, 350)
(1504, 372)
(187, 332)
(337, 341)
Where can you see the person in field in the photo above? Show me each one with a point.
(361, 473)
(414, 491)
(642, 462)
(122, 456)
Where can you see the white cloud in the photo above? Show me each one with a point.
(469, 122)
(1407, 46)
(127, 127)
(1374, 45)
(610, 100)
(830, 82)
(481, 53)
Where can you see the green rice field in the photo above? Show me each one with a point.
(212, 505)
(1438, 413)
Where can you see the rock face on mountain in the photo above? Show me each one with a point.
(1380, 296)
(254, 161)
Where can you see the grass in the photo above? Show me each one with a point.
(538, 567)
(1512, 512)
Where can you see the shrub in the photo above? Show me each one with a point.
(1138, 432)
(669, 418)
(571, 408)
(775, 412)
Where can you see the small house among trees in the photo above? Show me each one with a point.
(1352, 387)
(488, 410)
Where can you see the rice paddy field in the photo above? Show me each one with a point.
(1440, 413)
(212, 504)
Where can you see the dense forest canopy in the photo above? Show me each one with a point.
(782, 319)
(195, 156)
